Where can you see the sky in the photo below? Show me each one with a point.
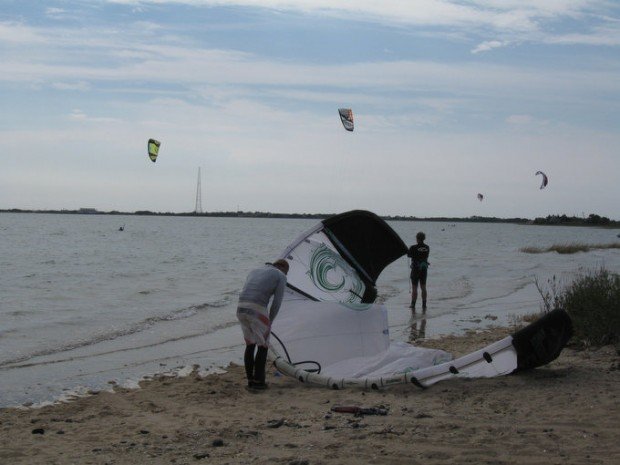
(450, 99)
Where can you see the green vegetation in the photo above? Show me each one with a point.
(570, 248)
(591, 220)
(557, 220)
(593, 302)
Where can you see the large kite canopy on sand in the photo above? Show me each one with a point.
(329, 331)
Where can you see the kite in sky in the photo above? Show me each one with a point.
(346, 116)
(545, 180)
(480, 197)
(153, 147)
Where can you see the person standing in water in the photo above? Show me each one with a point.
(260, 286)
(419, 267)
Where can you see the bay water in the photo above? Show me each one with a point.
(85, 306)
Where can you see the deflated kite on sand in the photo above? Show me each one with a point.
(329, 331)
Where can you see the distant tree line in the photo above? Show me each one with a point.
(591, 220)
(226, 214)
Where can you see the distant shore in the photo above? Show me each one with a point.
(551, 220)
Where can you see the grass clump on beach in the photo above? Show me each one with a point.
(593, 302)
(570, 248)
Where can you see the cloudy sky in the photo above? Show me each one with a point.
(451, 99)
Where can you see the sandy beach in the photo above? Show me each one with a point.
(567, 412)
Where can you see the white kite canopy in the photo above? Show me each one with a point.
(348, 343)
(346, 117)
(328, 317)
(340, 259)
(330, 333)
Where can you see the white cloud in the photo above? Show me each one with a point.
(516, 21)
(181, 66)
(16, 33)
(51, 11)
(529, 123)
(513, 15)
(60, 14)
(519, 119)
(79, 85)
(79, 115)
(488, 45)
(59, 58)
(608, 35)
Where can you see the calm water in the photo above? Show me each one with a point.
(83, 304)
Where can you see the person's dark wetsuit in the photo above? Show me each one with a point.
(419, 263)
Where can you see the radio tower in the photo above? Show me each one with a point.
(198, 208)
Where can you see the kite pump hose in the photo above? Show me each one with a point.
(314, 370)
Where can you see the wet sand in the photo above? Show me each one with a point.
(567, 412)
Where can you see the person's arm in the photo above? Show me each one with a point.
(277, 299)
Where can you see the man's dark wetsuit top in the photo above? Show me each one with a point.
(419, 262)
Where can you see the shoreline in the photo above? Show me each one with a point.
(97, 368)
(565, 412)
(605, 223)
(209, 360)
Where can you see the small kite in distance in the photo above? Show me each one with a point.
(545, 180)
(153, 147)
(480, 197)
(346, 116)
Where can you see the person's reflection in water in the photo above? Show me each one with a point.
(418, 327)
